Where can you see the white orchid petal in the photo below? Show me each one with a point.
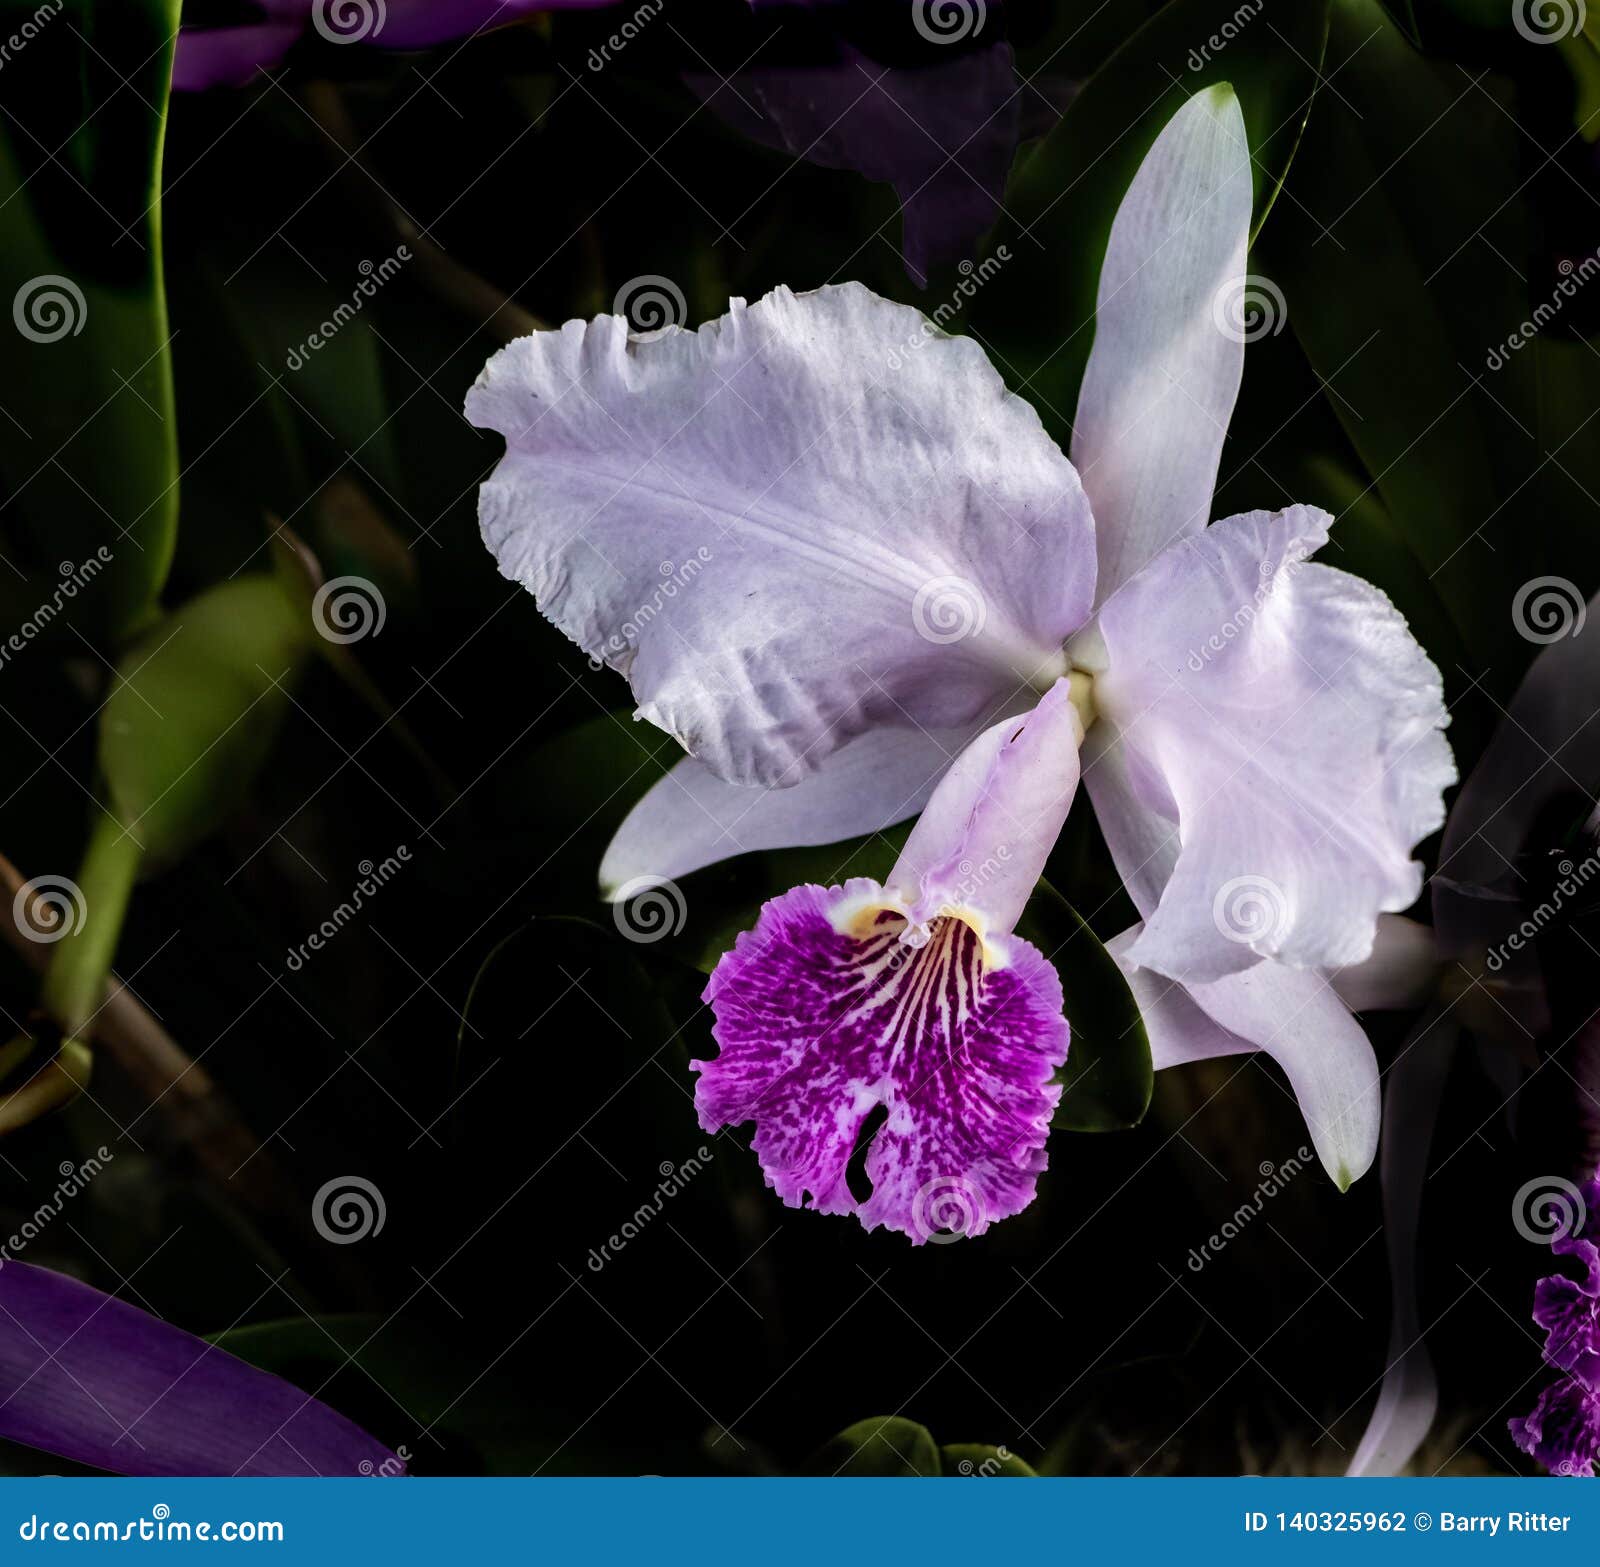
(1164, 371)
(1280, 714)
(1292, 1015)
(984, 838)
(812, 517)
(691, 818)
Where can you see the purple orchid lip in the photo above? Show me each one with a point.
(824, 1013)
(95, 1380)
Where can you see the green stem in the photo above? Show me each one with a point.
(75, 981)
(51, 1086)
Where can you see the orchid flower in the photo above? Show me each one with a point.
(230, 55)
(899, 564)
(93, 1379)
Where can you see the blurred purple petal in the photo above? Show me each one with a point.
(230, 56)
(942, 134)
(97, 1381)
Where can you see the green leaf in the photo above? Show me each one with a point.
(1394, 272)
(984, 1462)
(89, 453)
(1062, 203)
(197, 704)
(407, 1385)
(1108, 1075)
(883, 1448)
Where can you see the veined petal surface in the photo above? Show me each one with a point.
(1282, 717)
(810, 517)
(823, 1014)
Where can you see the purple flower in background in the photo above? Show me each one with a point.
(229, 56)
(97, 1381)
(898, 565)
(1563, 1431)
(942, 133)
